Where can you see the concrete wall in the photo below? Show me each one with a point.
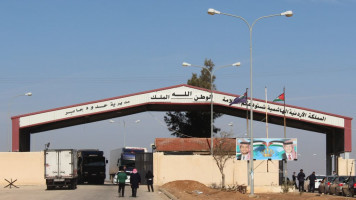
(203, 168)
(26, 167)
(346, 166)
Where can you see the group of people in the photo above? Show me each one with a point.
(301, 178)
(135, 181)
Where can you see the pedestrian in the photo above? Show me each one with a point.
(312, 179)
(121, 178)
(334, 173)
(149, 177)
(294, 178)
(300, 178)
(135, 180)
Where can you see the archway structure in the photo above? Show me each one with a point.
(183, 98)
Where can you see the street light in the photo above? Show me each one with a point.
(289, 13)
(112, 121)
(8, 115)
(184, 64)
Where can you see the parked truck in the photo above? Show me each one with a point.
(91, 166)
(60, 168)
(124, 156)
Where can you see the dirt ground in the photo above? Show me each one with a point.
(193, 190)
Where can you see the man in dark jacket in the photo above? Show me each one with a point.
(135, 180)
(149, 177)
(312, 179)
(294, 177)
(300, 178)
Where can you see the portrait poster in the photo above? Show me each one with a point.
(267, 149)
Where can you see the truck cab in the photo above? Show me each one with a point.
(91, 166)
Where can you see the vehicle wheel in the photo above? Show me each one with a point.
(50, 187)
(72, 185)
(80, 181)
(347, 193)
(343, 193)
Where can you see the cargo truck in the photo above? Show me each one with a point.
(91, 166)
(124, 156)
(60, 168)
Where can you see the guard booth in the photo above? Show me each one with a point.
(144, 163)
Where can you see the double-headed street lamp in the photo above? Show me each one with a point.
(112, 121)
(9, 115)
(212, 11)
(211, 72)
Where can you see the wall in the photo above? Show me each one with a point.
(345, 166)
(26, 167)
(203, 168)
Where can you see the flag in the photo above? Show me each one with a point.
(241, 99)
(279, 98)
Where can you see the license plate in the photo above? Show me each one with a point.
(58, 179)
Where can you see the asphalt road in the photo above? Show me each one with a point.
(87, 192)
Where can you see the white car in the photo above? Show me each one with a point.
(318, 180)
(127, 182)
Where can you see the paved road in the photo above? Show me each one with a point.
(87, 192)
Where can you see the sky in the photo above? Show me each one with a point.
(70, 52)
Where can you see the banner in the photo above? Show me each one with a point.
(267, 149)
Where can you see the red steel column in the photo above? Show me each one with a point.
(348, 136)
(15, 134)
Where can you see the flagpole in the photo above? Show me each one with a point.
(247, 113)
(285, 132)
(266, 112)
(248, 134)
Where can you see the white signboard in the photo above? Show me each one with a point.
(176, 95)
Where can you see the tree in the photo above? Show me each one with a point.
(194, 123)
(224, 149)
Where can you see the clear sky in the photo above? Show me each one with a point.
(70, 52)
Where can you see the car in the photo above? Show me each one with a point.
(318, 180)
(336, 185)
(349, 188)
(127, 181)
(325, 184)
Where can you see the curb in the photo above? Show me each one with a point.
(168, 194)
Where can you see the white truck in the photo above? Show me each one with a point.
(124, 156)
(60, 168)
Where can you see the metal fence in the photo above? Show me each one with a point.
(144, 163)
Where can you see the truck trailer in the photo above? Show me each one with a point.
(60, 167)
(91, 166)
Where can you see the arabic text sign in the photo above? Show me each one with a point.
(267, 149)
(176, 95)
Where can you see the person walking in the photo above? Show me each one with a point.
(149, 180)
(300, 178)
(135, 180)
(294, 178)
(312, 179)
(121, 178)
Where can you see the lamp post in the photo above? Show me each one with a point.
(212, 11)
(211, 72)
(231, 127)
(112, 121)
(9, 115)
